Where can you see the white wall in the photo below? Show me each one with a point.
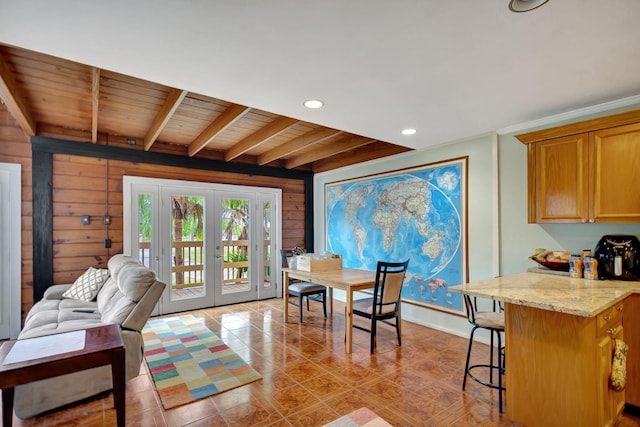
(499, 238)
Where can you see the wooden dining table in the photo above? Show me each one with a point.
(349, 280)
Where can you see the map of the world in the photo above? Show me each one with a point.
(413, 214)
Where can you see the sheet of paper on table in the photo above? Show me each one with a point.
(49, 345)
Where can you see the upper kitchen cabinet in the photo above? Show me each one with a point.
(585, 172)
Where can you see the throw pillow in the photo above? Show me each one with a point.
(87, 286)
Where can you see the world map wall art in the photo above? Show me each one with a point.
(418, 214)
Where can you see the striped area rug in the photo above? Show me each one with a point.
(189, 362)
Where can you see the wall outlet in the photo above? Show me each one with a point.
(107, 243)
(86, 220)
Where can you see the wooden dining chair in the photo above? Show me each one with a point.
(385, 303)
(303, 290)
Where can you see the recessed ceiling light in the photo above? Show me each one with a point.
(408, 131)
(313, 103)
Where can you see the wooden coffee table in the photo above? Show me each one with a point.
(102, 346)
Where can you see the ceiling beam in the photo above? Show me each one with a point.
(171, 104)
(375, 150)
(14, 100)
(95, 98)
(345, 144)
(262, 135)
(223, 121)
(312, 137)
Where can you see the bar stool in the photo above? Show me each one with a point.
(492, 321)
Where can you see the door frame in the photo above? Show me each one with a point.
(256, 241)
(10, 249)
(160, 184)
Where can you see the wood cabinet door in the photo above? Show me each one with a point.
(605, 351)
(615, 174)
(611, 402)
(630, 321)
(561, 180)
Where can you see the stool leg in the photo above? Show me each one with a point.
(466, 365)
(491, 358)
(500, 368)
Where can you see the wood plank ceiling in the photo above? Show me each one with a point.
(49, 96)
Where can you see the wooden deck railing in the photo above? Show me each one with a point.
(190, 274)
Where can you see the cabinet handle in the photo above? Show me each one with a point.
(612, 331)
(619, 308)
(584, 220)
(592, 220)
(607, 317)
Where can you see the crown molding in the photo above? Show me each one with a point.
(575, 114)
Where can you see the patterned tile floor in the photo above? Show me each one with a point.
(309, 381)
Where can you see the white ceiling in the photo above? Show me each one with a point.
(452, 69)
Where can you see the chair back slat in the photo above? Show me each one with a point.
(388, 287)
(392, 287)
(471, 309)
(285, 254)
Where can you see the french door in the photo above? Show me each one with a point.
(211, 243)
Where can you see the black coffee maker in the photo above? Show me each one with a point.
(618, 257)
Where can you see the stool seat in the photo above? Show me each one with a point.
(490, 319)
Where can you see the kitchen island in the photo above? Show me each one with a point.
(560, 335)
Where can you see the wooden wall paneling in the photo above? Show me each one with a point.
(73, 223)
(70, 195)
(81, 188)
(77, 209)
(293, 214)
(10, 133)
(75, 250)
(52, 131)
(80, 263)
(78, 236)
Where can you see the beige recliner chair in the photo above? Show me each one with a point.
(127, 298)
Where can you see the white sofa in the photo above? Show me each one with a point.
(127, 298)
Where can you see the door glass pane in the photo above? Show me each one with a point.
(145, 227)
(266, 225)
(235, 244)
(187, 247)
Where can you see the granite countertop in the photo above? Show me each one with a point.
(563, 294)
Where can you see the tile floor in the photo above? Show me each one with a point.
(308, 379)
